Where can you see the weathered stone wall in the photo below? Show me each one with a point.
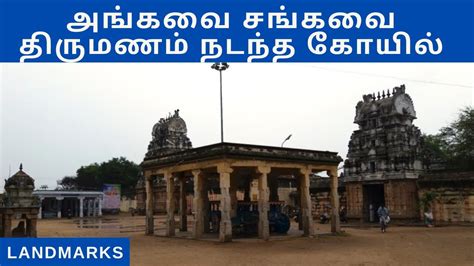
(453, 196)
(141, 199)
(160, 200)
(451, 205)
(284, 195)
(354, 195)
(321, 202)
(401, 199)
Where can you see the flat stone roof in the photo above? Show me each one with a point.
(243, 151)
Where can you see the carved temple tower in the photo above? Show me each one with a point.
(384, 158)
(169, 135)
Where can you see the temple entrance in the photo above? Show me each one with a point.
(373, 197)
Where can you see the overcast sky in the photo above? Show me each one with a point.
(58, 117)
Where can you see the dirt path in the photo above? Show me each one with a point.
(399, 246)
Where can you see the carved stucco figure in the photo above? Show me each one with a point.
(168, 135)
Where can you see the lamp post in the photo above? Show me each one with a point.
(287, 138)
(221, 67)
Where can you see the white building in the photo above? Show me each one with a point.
(69, 203)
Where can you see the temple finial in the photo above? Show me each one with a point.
(21, 167)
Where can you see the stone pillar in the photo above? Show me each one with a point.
(89, 207)
(40, 211)
(335, 222)
(31, 227)
(183, 207)
(7, 225)
(170, 222)
(306, 214)
(263, 193)
(59, 199)
(198, 201)
(149, 220)
(225, 227)
(81, 207)
(86, 207)
(95, 202)
(100, 206)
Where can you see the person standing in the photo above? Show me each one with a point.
(382, 212)
(429, 218)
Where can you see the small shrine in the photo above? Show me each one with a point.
(18, 204)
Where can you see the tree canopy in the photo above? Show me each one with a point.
(454, 144)
(94, 176)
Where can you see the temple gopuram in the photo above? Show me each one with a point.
(384, 161)
(168, 135)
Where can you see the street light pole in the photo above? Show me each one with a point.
(287, 138)
(221, 67)
(222, 107)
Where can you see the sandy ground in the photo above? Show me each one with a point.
(360, 246)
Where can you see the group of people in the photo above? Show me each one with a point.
(382, 213)
(384, 217)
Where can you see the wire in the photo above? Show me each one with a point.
(394, 77)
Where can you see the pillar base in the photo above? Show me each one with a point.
(170, 231)
(225, 233)
(150, 230)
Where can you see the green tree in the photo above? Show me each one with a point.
(454, 144)
(94, 176)
(119, 171)
(426, 200)
(88, 176)
(68, 183)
